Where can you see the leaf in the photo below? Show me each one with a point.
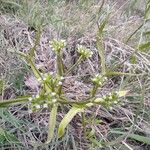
(139, 138)
(6, 103)
(52, 123)
(66, 120)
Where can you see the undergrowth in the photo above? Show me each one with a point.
(89, 91)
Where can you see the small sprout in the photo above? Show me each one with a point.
(37, 106)
(84, 52)
(30, 99)
(54, 100)
(45, 105)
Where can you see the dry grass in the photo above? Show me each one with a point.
(76, 23)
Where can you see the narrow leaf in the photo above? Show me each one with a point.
(102, 26)
(66, 120)
(139, 138)
(6, 103)
(52, 123)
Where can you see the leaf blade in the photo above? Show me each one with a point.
(52, 123)
(67, 119)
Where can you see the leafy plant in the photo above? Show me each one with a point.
(51, 95)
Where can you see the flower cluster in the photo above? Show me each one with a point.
(57, 45)
(42, 101)
(46, 98)
(84, 52)
(108, 100)
(99, 80)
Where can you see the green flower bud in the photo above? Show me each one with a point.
(99, 79)
(57, 46)
(84, 52)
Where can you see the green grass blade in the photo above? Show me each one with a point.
(139, 138)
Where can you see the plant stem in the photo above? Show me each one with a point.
(60, 67)
(94, 90)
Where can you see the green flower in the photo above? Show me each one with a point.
(57, 45)
(108, 100)
(99, 79)
(84, 52)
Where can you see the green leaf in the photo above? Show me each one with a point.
(52, 123)
(139, 138)
(66, 120)
(6, 103)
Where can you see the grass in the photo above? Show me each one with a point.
(126, 126)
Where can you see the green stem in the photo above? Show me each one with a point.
(37, 41)
(60, 67)
(76, 64)
(94, 90)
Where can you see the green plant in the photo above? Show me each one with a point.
(51, 95)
